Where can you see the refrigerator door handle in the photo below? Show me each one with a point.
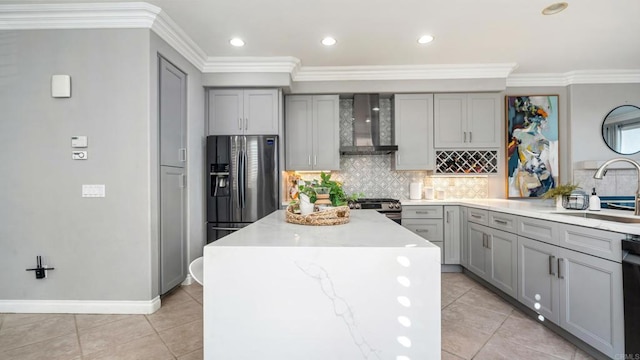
(241, 180)
(236, 171)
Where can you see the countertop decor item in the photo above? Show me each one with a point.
(331, 216)
(577, 200)
(559, 192)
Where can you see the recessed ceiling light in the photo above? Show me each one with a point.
(425, 39)
(328, 41)
(236, 42)
(554, 8)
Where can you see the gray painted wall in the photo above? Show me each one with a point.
(589, 105)
(100, 247)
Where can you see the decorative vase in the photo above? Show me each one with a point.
(306, 206)
(559, 203)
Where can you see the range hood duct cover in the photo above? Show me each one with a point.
(366, 128)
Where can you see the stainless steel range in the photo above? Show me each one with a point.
(391, 208)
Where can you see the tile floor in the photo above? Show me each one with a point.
(477, 324)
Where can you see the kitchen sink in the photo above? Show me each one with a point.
(606, 217)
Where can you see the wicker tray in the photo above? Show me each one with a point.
(333, 216)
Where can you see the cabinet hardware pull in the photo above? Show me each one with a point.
(489, 237)
(246, 123)
(476, 216)
(182, 154)
(470, 136)
(240, 123)
(315, 160)
(465, 136)
(422, 230)
(309, 160)
(484, 240)
(182, 183)
(560, 265)
(448, 213)
(551, 262)
(421, 212)
(500, 221)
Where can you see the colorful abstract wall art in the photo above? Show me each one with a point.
(532, 145)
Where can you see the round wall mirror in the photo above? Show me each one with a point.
(621, 129)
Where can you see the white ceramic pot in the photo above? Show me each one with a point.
(559, 203)
(306, 206)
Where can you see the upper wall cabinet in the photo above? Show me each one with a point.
(467, 121)
(413, 114)
(243, 112)
(312, 135)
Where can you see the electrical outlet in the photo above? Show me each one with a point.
(40, 273)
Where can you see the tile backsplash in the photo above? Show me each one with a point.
(373, 176)
(616, 182)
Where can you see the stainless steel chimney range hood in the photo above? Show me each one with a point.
(366, 128)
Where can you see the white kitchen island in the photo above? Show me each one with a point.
(369, 289)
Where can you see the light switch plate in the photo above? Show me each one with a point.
(79, 142)
(97, 190)
(80, 155)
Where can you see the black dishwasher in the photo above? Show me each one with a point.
(631, 290)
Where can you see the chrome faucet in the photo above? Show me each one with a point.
(602, 169)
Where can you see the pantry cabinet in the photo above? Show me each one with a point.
(243, 111)
(467, 121)
(312, 132)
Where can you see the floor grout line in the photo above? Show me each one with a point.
(492, 334)
(75, 321)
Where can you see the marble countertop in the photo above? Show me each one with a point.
(366, 228)
(544, 210)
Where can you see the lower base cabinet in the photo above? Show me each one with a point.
(579, 292)
(493, 256)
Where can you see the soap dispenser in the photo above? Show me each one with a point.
(594, 201)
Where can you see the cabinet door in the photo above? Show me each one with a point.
(477, 251)
(298, 132)
(326, 132)
(172, 97)
(591, 302)
(414, 131)
(173, 262)
(537, 275)
(452, 235)
(226, 112)
(260, 110)
(450, 114)
(503, 250)
(483, 121)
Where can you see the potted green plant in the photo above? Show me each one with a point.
(559, 192)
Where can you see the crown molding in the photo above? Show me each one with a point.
(575, 78)
(404, 72)
(173, 34)
(249, 64)
(77, 16)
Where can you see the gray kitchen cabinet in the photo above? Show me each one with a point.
(537, 276)
(173, 269)
(452, 235)
(426, 221)
(591, 302)
(243, 111)
(172, 113)
(493, 256)
(413, 114)
(312, 137)
(467, 121)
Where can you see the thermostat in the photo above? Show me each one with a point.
(79, 155)
(78, 141)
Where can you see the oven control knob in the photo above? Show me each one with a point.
(397, 205)
(358, 206)
(351, 205)
(390, 205)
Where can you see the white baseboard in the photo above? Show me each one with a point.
(79, 306)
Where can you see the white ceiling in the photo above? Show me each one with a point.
(589, 35)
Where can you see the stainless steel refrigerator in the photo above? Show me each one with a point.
(242, 185)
